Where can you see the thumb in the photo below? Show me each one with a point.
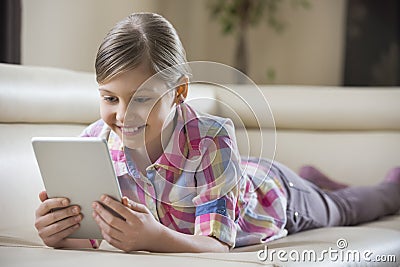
(134, 205)
(43, 196)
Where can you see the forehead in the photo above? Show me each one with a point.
(138, 80)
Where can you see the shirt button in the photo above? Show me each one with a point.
(291, 184)
(296, 217)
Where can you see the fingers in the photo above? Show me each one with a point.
(106, 215)
(55, 220)
(127, 233)
(50, 204)
(60, 226)
(114, 242)
(53, 227)
(55, 239)
(109, 232)
(43, 196)
(134, 205)
(58, 215)
(125, 201)
(116, 206)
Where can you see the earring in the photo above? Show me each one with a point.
(179, 99)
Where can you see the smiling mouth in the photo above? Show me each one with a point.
(132, 130)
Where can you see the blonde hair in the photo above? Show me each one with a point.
(142, 38)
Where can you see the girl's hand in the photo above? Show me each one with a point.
(54, 226)
(139, 231)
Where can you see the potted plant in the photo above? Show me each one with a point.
(237, 16)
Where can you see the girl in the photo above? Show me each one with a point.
(185, 187)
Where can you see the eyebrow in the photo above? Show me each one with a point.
(147, 89)
(100, 89)
(109, 92)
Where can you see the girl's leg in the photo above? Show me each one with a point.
(311, 207)
(319, 179)
(367, 203)
(308, 206)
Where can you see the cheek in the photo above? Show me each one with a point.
(106, 114)
(160, 115)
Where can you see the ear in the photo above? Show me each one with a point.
(182, 90)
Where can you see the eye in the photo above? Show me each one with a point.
(141, 99)
(110, 99)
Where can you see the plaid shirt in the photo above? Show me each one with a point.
(200, 185)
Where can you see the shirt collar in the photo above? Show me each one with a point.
(184, 141)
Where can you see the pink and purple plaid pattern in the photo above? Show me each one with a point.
(200, 185)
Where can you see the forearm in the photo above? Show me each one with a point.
(172, 241)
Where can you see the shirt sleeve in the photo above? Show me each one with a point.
(217, 181)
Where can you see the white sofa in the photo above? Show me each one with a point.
(352, 134)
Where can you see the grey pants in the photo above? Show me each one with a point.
(310, 207)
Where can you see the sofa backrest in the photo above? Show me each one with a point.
(319, 107)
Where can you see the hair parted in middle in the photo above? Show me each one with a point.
(142, 38)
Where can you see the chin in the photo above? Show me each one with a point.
(133, 142)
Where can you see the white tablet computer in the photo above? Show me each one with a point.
(79, 168)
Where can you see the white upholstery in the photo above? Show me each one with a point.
(351, 134)
(47, 95)
(320, 108)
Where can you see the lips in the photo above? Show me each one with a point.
(126, 130)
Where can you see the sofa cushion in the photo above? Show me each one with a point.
(47, 95)
(315, 107)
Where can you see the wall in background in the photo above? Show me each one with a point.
(67, 33)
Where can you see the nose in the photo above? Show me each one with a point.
(120, 112)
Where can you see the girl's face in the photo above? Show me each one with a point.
(149, 113)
